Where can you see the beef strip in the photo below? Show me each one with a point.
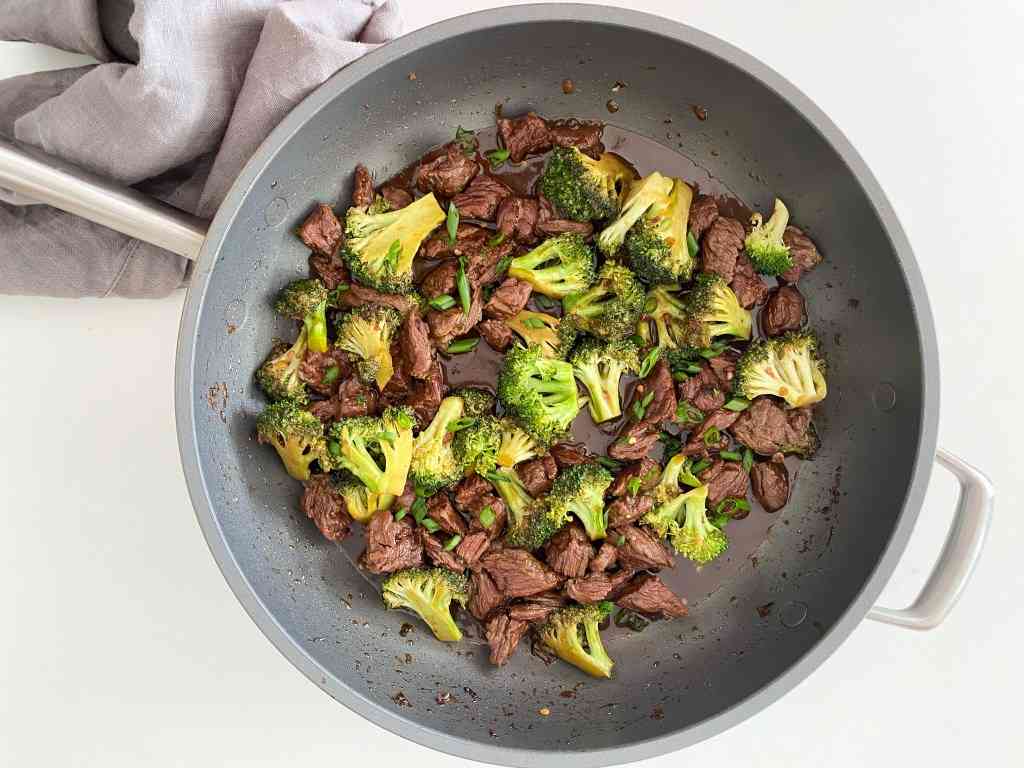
(523, 136)
(703, 212)
(322, 504)
(569, 454)
(722, 245)
(768, 428)
(647, 469)
(628, 509)
(362, 187)
(597, 586)
(576, 133)
(360, 295)
(472, 548)
(536, 608)
(704, 390)
(321, 231)
(426, 395)
(468, 237)
(638, 436)
(446, 172)
(517, 218)
(481, 198)
(607, 556)
(315, 365)
(414, 340)
(568, 552)
(538, 475)
(485, 596)
(769, 481)
(783, 312)
(748, 286)
(497, 334)
(635, 442)
(721, 420)
(647, 594)
(440, 509)
(517, 573)
(331, 270)
(503, 635)
(438, 555)
(440, 280)
(448, 324)
(641, 549)
(508, 299)
(469, 490)
(725, 480)
(391, 545)
(550, 225)
(397, 197)
(802, 251)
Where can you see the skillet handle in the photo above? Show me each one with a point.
(959, 554)
(42, 178)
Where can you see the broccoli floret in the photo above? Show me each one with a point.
(667, 312)
(429, 592)
(712, 310)
(296, 434)
(379, 247)
(554, 337)
(355, 441)
(475, 402)
(657, 247)
(557, 267)
(360, 502)
(366, 332)
(579, 490)
(609, 309)
(599, 366)
(764, 244)
(278, 377)
(695, 537)
(476, 446)
(573, 634)
(539, 393)
(531, 522)
(648, 191)
(788, 367)
(434, 463)
(666, 517)
(306, 302)
(515, 446)
(584, 189)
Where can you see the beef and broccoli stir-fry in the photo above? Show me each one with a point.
(477, 499)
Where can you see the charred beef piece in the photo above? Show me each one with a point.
(607, 556)
(472, 548)
(397, 197)
(550, 225)
(440, 509)
(353, 398)
(315, 365)
(703, 212)
(503, 635)
(485, 597)
(575, 133)
(638, 436)
(537, 608)
(481, 198)
(360, 295)
(568, 552)
(362, 188)
(628, 509)
(497, 334)
(517, 218)
(647, 469)
(804, 253)
(326, 507)
(647, 594)
(704, 391)
(523, 136)
(446, 325)
(440, 280)
(725, 480)
(538, 475)
(770, 482)
(469, 490)
(508, 299)
(497, 506)
(641, 549)
(767, 428)
(722, 245)
(330, 269)
(321, 231)
(426, 395)
(437, 554)
(391, 545)
(446, 171)
(719, 420)
(748, 286)
(597, 586)
(783, 312)
(517, 573)
(417, 352)
(569, 454)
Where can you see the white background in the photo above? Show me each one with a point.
(125, 647)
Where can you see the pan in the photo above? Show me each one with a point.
(779, 606)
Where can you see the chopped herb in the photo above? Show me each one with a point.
(609, 463)
(394, 254)
(503, 264)
(334, 448)
(712, 436)
(679, 375)
(633, 486)
(648, 364)
(534, 322)
(463, 345)
(731, 455)
(419, 509)
(331, 375)
(687, 414)
(631, 620)
(430, 524)
(442, 302)
(691, 244)
(462, 281)
(737, 404)
(401, 513)
(466, 140)
(620, 540)
(487, 516)
(452, 543)
(720, 521)
(497, 240)
(672, 444)
(713, 351)
(748, 460)
(691, 368)
(453, 222)
(498, 157)
(458, 424)
(545, 303)
(700, 466)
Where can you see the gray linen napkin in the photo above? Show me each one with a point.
(185, 94)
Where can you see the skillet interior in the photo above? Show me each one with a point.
(827, 542)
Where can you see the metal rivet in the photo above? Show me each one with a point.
(884, 396)
(793, 614)
(276, 211)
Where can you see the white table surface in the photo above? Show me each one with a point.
(122, 645)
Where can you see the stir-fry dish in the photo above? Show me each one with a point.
(609, 299)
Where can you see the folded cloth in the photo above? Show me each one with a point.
(184, 94)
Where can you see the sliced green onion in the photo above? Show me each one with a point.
(680, 375)
(334, 448)
(419, 509)
(713, 351)
(497, 240)
(462, 281)
(700, 466)
(731, 455)
(331, 375)
(691, 244)
(737, 404)
(453, 222)
(487, 516)
(720, 521)
(748, 460)
(637, 339)
(534, 322)
(442, 302)
(458, 424)
(495, 477)
(502, 266)
(712, 436)
(452, 543)
(430, 524)
(609, 463)
(497, 157)
(401, 513)
(633, 486)
(649, 362)
(692, 368)
(620, 541)
(463, 345)
(466, 140)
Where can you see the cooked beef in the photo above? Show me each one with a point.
(446, 325)
(496, 333)
(362, 187)
(725, 480)
(485, 596)
(783, 312)
(330, 269)
(719, 420)
(438, 555)
(414, 339)
(646, 469)
(722, 245)
(769, 481)
(481, 198)
(478, 505)
(633, 444)
(768, 428)
(427, 395)
(628, 509)
(315, 365)
(469, 490)
(353, 398)
(391, 545)
(569, 454)
(576, 133)
(597, 586)
(568, 552)
(406, 500)
(401, 383)
(446, 172)
(724, 367)
(517, 573)
(482, 262)
(538, 475)
(638, 436)
(472, 548)
(523, 136)
(704, 391)
(607, 556)
(503, 635)
(360, 295)
(804, 253)
(440, 509)
(641, 549)
(537, 608)
(550, 225)
(321, 231)
(397, 197)
(647, 594)
(440, 280)
(508, 299)
(468, 237)
(703, 212)
(517, 218)
(748, 286)
(325, 506)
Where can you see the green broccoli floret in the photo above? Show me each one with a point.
(584, 189)
(354, 443)
(666, 310)
(476, 402)
(539, 393)
(573, 634)
(599, 366)
(764, 244)
(366, 333)
(434, 463)
(554, 337)
(648, 191)
(609, 309)
(278, 377)
(657, 247)
(476, 446)
(712, 310)
(305, 301)
(531, 522)
(579, 490)
(666, 517)
(360, 502)
(788, 367)
(429, 592)
(695, 538)
(515, 446)
(557, 267)
(296, 434)
(379, 247)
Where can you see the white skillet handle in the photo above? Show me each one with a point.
(959, 554)
(41, 178)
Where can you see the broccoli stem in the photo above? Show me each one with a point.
(315, 324)
(440, 622)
